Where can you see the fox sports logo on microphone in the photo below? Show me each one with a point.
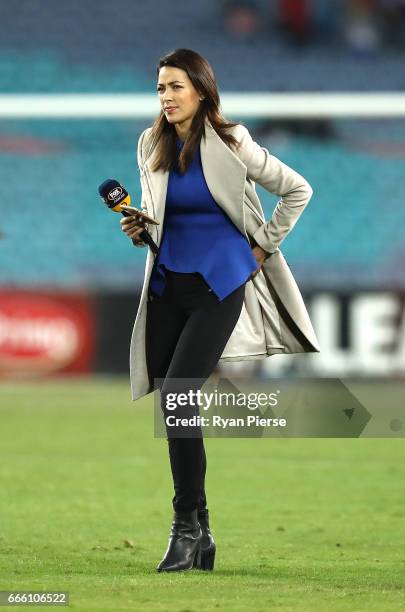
(114, 194)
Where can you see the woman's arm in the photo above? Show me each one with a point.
(279, 179)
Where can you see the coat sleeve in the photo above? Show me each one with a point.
(141, 173)
(278, 179)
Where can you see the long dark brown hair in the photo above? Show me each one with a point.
(163, 133)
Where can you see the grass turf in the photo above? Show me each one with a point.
(300, 524)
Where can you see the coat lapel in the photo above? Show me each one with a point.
(225, 175)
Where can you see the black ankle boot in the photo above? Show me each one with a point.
(184, 543)
(208, 548)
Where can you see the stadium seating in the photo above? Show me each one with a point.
(97, 46)
(60, 234)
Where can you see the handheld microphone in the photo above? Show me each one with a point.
(114, 196)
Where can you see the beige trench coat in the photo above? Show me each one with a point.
(274, 318)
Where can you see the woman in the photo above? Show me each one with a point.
(215, 253)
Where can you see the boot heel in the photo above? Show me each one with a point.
(207, 545)
(207, 560)
(197, 558)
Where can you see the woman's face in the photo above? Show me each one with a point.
(177, 91)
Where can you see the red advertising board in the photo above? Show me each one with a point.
(45, 333)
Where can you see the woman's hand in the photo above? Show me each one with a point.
(260, 255)
(133, 226)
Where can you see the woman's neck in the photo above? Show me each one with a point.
(182, 136)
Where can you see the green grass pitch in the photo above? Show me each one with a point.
(300, 524)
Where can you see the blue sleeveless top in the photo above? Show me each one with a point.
(199, 236)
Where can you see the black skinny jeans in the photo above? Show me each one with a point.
(187, 328)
